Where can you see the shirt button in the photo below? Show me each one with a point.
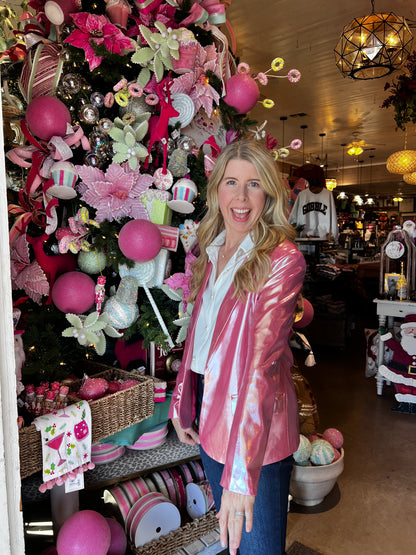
(193, 359)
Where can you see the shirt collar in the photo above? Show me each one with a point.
(245, 246)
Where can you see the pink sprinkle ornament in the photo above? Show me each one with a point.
(242, 92)
(140, 240)
(84, 533)
(46, 117)
(334, 437)
(73, 292)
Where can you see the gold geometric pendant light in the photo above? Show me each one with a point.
(373, 46)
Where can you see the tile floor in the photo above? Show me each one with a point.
(372, 509)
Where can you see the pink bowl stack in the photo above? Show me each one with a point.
(102, 453)
(151, 439)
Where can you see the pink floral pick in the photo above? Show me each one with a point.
(195, 83)
(181, 280)
(25, 274)
(97, 30)
(114, 194)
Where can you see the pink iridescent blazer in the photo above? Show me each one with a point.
(249, 414)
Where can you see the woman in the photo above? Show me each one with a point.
(235, 372)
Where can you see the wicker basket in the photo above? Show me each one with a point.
(119, 410)
(109, 414)
(30, 451)
(183, 536)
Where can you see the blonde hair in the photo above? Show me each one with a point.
(269, 231)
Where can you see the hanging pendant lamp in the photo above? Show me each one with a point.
(402, 161)
(373, 46)
(410, 178)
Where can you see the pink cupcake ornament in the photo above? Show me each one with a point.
(188, 48)
(118, 12)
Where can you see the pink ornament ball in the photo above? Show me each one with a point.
(93, 388)
(337, 455)
(334, 437)
(46, 116)
(73, 292)
(118, 543)
(140, 240)
(242, 92)
(307, 315)
(84, 533)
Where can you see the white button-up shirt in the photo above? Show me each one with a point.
(213, 296)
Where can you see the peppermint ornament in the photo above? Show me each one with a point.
(162, 180)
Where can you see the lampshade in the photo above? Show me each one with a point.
(373, 46)
(403, 161)
(330, 184)
(355, 148)
(410, 178)
(398, 199)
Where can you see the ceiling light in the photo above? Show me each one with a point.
(403, 161)
(369, 201)
(397, 199)
(355, 148)
(373, 46)
(358, 200)
(330, 184)
(342, 195)
(410, 178)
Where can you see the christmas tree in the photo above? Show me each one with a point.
(113, 120)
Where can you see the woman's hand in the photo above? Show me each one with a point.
(234, 507)
(185, 435)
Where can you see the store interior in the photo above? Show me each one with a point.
(318, 106)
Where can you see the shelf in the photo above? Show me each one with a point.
(136, 463)
(130, 465)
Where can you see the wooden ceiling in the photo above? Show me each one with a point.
(305, 34)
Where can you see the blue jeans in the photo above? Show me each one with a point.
(268, 536)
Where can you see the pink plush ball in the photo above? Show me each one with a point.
(73, 292)
(84, 533)
(242, 92)
(140, 240)
(118, 543)
(46, 116)
(334, 437)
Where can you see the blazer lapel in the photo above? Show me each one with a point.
(224, 314)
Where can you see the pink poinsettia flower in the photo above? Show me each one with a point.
(95, 30)
(25, 274)
(195, 83)
(114, 194)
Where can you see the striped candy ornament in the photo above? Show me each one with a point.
(41, 71)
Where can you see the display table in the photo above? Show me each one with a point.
(386, 312)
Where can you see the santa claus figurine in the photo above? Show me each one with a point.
(400, 364)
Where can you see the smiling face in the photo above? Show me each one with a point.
(241, 198)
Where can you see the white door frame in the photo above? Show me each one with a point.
(11, 517)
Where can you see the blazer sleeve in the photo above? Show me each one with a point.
(262, 379)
